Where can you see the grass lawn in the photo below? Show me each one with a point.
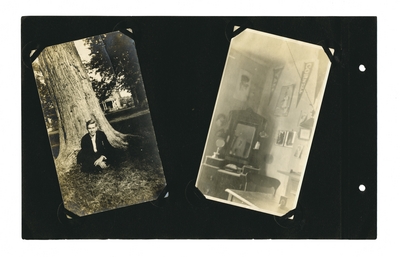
(138, 178)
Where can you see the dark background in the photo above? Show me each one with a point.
(182, 59)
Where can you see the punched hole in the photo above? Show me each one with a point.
(362, 67)
(362, 188)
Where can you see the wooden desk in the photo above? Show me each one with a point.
(213, 181)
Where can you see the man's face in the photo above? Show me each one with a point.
(92, 128)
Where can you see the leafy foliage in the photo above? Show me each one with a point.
(114, 58)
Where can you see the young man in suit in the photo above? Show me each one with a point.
(96, 152)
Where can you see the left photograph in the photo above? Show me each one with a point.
(99, 123)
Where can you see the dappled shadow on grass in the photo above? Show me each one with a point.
(137, 178)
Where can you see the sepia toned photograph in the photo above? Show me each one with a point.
(263, 123)
(99, 123)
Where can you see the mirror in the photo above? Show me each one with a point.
(243, 137)
(242, 140)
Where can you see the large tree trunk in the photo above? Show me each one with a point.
(140, 93)
(75, 101)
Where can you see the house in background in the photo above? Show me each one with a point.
(118, 100)
(112, 103)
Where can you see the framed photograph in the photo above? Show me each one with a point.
(289, 138)
(284, 101)
(281, 137)
(299, 151)
(298, 71)
(243, 87)
(304, 134)
(285, 138)
(99, 125)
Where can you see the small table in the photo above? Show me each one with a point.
(292, 175)
(293, 182)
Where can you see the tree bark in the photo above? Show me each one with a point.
(75, 101)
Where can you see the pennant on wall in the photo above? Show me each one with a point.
(275, 78)
(304, 79)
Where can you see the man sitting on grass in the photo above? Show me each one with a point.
(96, 152)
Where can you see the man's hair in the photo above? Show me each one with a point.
(91, 121)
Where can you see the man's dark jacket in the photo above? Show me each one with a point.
(87, 156)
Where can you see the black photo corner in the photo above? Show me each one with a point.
(182, 60)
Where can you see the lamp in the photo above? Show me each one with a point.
(219, 143)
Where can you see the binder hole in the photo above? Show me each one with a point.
(362, 188)
(362, 68)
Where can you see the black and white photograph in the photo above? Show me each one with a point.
(270, 96)
(99, 123)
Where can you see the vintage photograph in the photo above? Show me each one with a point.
(263, 123)
(99, 125)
